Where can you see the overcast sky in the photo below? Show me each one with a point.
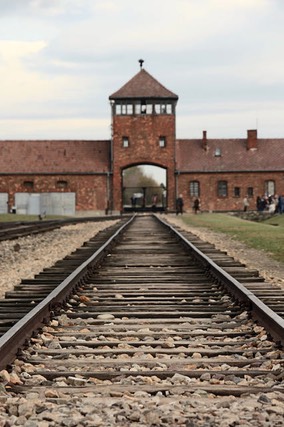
(61, 59)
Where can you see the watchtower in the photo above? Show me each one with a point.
(143, 131)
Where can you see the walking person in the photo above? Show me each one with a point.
(196, 205)
(245, 203)
(179, 205)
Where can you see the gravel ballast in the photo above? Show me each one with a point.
(28, 256)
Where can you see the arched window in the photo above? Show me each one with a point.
(269, 187)
(194, 188)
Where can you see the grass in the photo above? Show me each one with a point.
(267, 235)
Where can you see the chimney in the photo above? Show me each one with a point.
(205, 141)
(252, 139)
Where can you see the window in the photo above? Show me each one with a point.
(218, 152)
(125, 142)
(250, 192)
(194, 188)
(149, 108)
(157, 108)
(169, 108)
(222, 190)
(62, 184)
(269, 188)
(129, 109)
(29, 184)
(163, 108)
(123, 108)
(162, 141)
(237, 192)
(118, 109)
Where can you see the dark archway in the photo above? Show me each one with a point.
(144, 188)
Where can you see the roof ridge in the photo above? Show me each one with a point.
(143, 85)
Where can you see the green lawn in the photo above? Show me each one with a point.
(267, 235)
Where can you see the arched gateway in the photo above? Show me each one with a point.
(143, 132)
(86, 176)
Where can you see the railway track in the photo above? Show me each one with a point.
(15, 229)
(149, 317)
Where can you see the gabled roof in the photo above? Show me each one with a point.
(54, 156)
(233, 156)
(143, 85)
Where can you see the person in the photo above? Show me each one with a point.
(246, 203)
(258, 203)
(154, 201)
(196, 205)
(179, 205)
(281, 204)
(133, 201)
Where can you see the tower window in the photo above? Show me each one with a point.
(162, 141)
(149, 108)
(125, 142)
(118, 109)
(129, 109)
(169, 108)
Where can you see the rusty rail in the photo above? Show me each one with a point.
(12, 340)
(271, 321)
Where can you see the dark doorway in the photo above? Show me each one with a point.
(142, 190)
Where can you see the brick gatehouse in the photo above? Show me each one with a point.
(86, 176)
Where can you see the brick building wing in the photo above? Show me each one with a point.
(71, 177)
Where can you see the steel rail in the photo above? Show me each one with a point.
(13, 230)
(271, 321)
(12, 340)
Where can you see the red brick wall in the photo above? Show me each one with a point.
(208, 189)
(143, 132)
(91, 190)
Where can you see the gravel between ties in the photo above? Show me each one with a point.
(27, 256)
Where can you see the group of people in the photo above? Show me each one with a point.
(270, 203)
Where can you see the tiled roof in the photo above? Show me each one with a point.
(143, 85)
(61, 156)
(191, 157)
(85, 156)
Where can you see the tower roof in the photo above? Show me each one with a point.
(143, 85)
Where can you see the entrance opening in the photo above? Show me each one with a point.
(144, 189)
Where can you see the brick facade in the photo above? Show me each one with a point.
(143, 133)
(211, 201)
(90, 190)
(220, 171)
